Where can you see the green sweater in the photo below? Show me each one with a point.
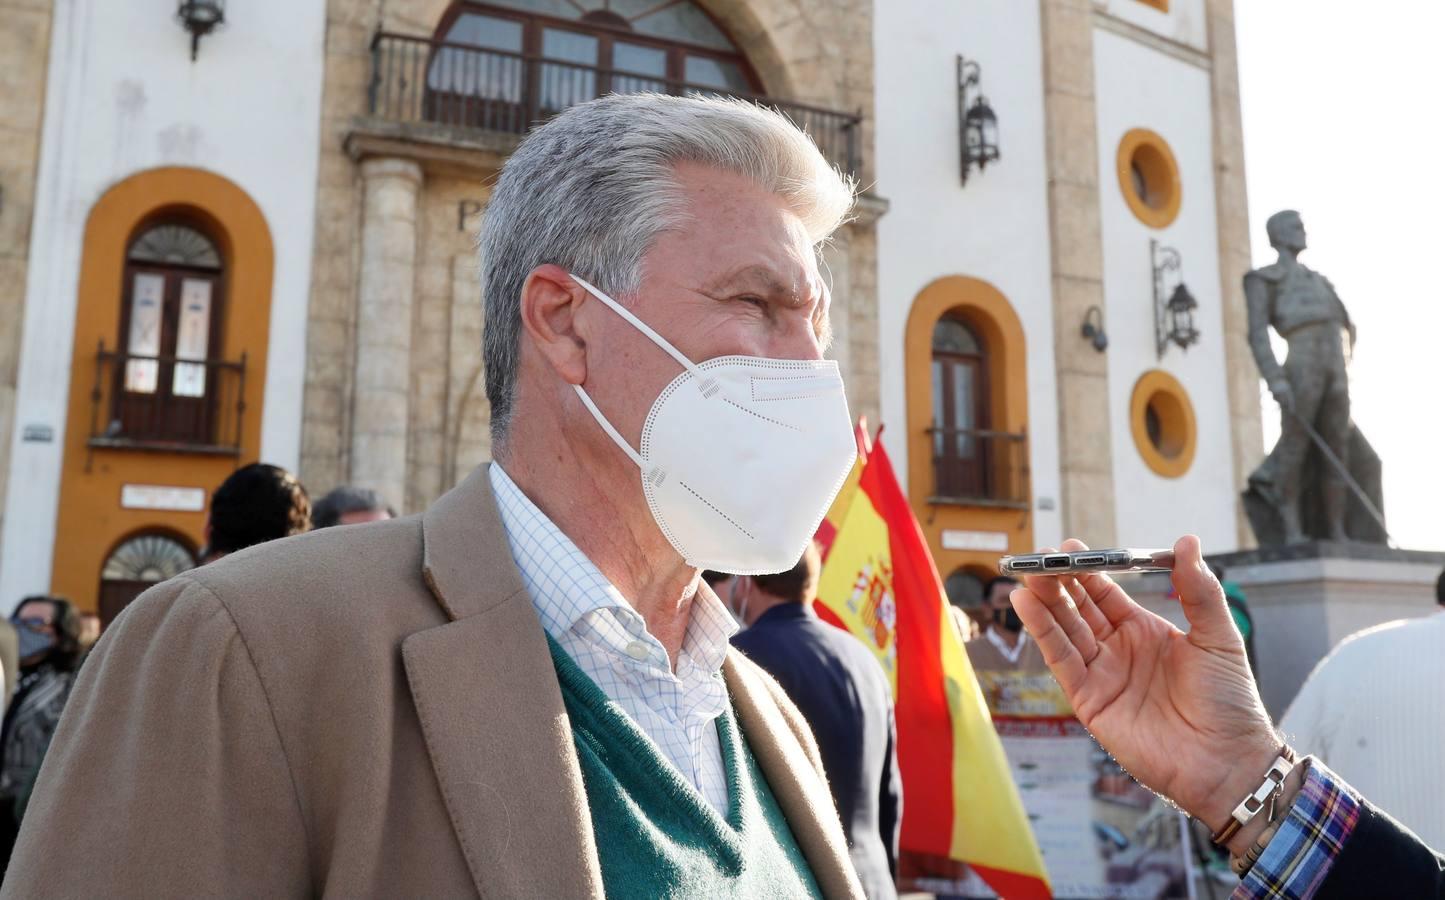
(656, 835)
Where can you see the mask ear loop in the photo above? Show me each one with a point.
(607, 426)
(705, 382)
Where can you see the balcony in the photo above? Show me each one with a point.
(974, 467)
(167, 404)
(488, 99)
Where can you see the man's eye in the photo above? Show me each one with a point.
(759, 302)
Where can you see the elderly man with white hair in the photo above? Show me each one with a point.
(526, 691)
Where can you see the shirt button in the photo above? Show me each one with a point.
(638, 651)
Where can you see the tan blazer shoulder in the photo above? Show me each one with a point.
(363, 711)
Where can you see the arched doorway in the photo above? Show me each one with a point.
(966, 384)
(137, 563)
(165, 399)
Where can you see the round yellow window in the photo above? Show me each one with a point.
(1162, 420)
(1149, 178)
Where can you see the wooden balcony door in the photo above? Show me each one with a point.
(960, 410)
(165, 391)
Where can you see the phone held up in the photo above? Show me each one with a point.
(1083, 562)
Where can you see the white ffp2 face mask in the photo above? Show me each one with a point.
(740, 455)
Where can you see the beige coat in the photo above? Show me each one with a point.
(357, 712)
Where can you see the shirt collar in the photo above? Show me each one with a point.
(565, 585)
(1011, 654)
(708, 630)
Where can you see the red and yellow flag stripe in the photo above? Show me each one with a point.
(879, 583)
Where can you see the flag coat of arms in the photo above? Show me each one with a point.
(879, 583)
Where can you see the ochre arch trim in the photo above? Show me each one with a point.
(91, 520)
(997, 325)
(1173, 453)
(1150, 153)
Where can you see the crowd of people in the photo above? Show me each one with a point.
(47, 639)
(528, 690)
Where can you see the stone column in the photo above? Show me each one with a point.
(850, 262)
(1086, 467)
(383, 326)
(1232, 214)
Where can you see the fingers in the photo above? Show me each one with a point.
(1064, 609)
(1062, 656)
(1111, 600)
(1088, 609)
(1202, 598)
(1098, 623)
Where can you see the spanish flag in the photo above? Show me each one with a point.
(879, 582)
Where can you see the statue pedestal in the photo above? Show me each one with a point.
(1307, 598)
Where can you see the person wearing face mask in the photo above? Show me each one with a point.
(527, 690)
(48, 635)
(1004, 646)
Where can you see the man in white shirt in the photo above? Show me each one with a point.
(1373, 711)
(1004, 645)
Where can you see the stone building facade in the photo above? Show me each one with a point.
(339, 154)
(394, 395)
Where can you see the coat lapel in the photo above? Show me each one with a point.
(802, 795)
(492, 715)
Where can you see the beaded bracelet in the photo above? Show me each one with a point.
(1241, 865)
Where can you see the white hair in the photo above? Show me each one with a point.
(594, 187)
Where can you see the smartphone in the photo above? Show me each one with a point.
(1082, 562)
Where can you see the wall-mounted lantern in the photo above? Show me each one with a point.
(1173, 304)
(977, 123)
(1093, 328)
(200, 18)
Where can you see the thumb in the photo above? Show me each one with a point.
(1202, 598)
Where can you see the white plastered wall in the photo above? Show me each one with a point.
(996, 228)
(123, 96)
(1183, 22)
(1139, 87)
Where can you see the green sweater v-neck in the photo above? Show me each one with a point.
(656, 835)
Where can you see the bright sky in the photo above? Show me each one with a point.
(1344, 120)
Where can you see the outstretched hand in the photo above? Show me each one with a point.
(1178, 710)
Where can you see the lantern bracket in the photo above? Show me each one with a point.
(1174, 305)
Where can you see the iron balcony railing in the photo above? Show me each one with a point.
(980, 467)
(167, 403)
(421, 81)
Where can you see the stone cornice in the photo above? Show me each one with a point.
(437, 148)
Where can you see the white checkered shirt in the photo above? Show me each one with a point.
(605, 636)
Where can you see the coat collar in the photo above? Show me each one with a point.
(465, 559)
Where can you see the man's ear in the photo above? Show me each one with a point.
(550, 300)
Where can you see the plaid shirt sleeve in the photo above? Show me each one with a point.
(1297, 859)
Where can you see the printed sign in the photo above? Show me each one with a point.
(158, 496)
(953, 539)
(1102, 834)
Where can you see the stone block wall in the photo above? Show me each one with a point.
(24, 56)
(812, 52)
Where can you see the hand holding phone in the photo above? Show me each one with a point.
(1082, 562)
